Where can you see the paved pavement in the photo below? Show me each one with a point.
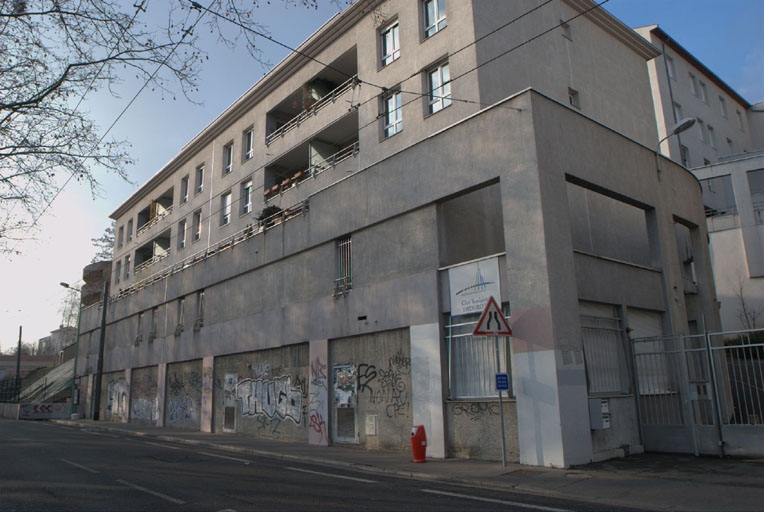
(649, 481)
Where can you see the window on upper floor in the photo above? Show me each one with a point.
(197, 225)
(140, 324)
(182, 234)
(684, 154)
(730, 146)
(434, 16)
(184, 189)
(565, 28)
(248, 141)
(246, 197)
(677, 112)
(181, 315)
(670, 69)
(199, 183)
(228, 158)
(118, 272)
(694, 86)
(711, 135)
(154, 322)
(438, 88)
(127, 266)
(739, 117)
(389, 41)
(723, 106)
(702, 131)
(718, 196)
(130, 230)
(121, 236)
(343, 282)
(703, 92)
(199, 320)
(392, 113)
(574, 98)
(225, 208)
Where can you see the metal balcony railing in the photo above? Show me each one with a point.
(157, 218)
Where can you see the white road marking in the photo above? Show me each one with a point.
(245, 461)
(153, 493)
(163, 445)
(80, 466)
(492, 500)
(91, 431)
(333, 475)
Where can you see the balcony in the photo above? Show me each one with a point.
(330, 87)
(156, 211)
(150, 253)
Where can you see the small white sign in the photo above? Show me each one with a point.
(472, 284)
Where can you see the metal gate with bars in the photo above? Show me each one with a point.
(701, 394)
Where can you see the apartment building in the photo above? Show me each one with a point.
(312, 264)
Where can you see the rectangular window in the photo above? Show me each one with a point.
(140, 323)
(130, 230)
(248, 140)
(127, 266)
(121, 236)
(434, 16)
(344, 281)
(390, 45)
(184, 189)
(684, 155)
(154, 322)
(181, 314)
(723, 106)
(677, 112)
(182, 234)
(711, 136)
(694, 86)
(197, 225)
(574, 98)
(225, 209)
(199, 184)
(228, 158)
(566, 32)
(199, 320)
(703, 131)
(604, 351)
(246, 197)
(118, 272)
(670, 67)
(439, 87)
(472, 360)
(703, 92)
(739, 120)
(392, 106)
(730, 146)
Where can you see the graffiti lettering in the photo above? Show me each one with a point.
(475, 411)
(260, 370)
(317, 369)
(180, 411)
(270, 398)
(366, 375)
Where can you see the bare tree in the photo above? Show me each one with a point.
(55, 52)
(104, 244)
(747, 314)
(70, 307)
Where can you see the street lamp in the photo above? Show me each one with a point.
(679, 127)
(76, 351)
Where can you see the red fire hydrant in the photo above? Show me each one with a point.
(419, 443)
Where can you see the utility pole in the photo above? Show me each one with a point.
(101, 342)
(18, 367)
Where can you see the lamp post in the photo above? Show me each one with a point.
(679, 127)
(76, 351)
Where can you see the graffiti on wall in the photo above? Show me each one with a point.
(274, 399)
(387, 386)
(475, 411)
(117, 393)
(185, 383)
(317, 406)
(144, 406)
(345, 385)
(184, 389)
(181, 410)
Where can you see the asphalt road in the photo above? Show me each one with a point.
(44, 466)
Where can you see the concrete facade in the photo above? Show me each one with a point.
(261, 327)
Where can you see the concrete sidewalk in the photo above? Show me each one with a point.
(649, 481)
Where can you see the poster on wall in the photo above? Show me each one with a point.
(471, 284)
(344, 386)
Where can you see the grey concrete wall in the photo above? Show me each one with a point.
(144, 406)
(376, 379)
(115, 397)
(622, 438)
(474, 430)
(267, 390)
(183, 402)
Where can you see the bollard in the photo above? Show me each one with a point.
(419, 443)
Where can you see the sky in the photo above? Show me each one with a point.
(726, 35)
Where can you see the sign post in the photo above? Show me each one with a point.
(493, 323)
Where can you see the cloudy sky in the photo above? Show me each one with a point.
(727, 36)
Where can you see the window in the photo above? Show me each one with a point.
(392, 110)
(184, 189)
(694, 86)
(706, 161)
(121, 236)
(118, 272)
(127, 266)
(566, 32)
(730, 146)
(703, 131)
(344, 281)
(739, 117)
(472, 360)
(130, 230)
(390, 45)
(140, 323)
(604, 351)
(684, 154)
(182, 234)
(199, 320)
(247, 144)
(434, 16)
(439, 87)
(181, 315)
(199, 185)
(703, 92)
(677, 112)
(670, 70)
(723, 106)
(154, 322)
(197, 225)
(228, 158)
(573, 98)
(711, 136)
(246, 197)
(225, 209)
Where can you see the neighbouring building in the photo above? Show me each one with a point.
(57, 341)
(312, 264)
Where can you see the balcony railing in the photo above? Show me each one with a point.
(312, 171)
(313, 110)
(151, 261)
(157, 218)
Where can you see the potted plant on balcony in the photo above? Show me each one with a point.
(267, 216)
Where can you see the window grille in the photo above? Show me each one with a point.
(344, 281)
(472, 360)
(604, 354)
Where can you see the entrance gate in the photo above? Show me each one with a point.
(701, 394)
